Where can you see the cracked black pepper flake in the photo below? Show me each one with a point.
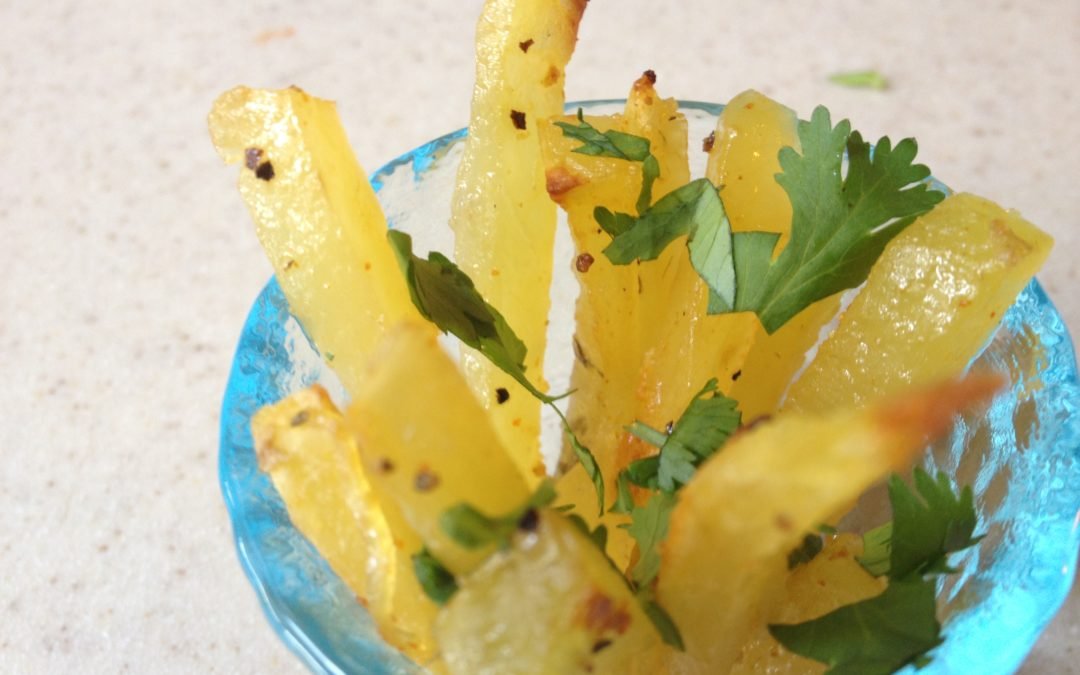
(736, 375)
(600, 645)
(385, 465)
(669, 427)
(502, 395)
(710, 140)
(651, 75)
(299, 418)
(265, 171)
(426, 480)
(252, 157)
(525, 45)
(530, 521)
(518, 118)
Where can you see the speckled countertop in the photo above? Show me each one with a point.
(129, 263)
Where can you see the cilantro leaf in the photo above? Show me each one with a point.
(877, 635)
(861, 79)
(613, 223)
(435, 580)
(446, 296)
(707, 422)
(470, 528)
(648, 526)
(877, 544)
(840, 223)
(662, 621)
(694, 210)
(925, 531)
(618, 145)
(585, 457)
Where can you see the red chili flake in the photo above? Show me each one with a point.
(710, 140)
(651, 75)
(525, 45)
(584, 262)
(518, 118)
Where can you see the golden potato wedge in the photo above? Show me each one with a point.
(751, 503)
(302, 443)
(503, 221)
(551, 603)
(744, 160)
(427, 444)
(612, 334)
(317, 217)
(932, 300)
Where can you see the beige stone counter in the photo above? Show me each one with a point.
(128, 262)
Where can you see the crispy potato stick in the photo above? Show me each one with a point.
(744, 160)
(725, 556)
(427, 444)
(302, 443)
(932, 300)
(503, 221)
(317, 218)
(549, 604)
(619, 305)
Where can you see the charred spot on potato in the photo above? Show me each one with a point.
(709, 142)
(530, 521)
(518, 118)
(299, 418)
(524, 46)
(290, 264)
(552, 77)
(385, 465)
(265, 171)
(252, 157)
(650, 75)
(502, 395)
(601, 615)
(426, 480)
(600, 645)
(583, 262)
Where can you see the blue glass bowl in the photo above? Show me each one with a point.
(1022, 458)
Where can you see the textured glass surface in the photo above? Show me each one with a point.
(1022, 458)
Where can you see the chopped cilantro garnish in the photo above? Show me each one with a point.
(899, 626)
(648, 526)
(840, 221)
(876, 636)
(695, 211)
(618, 145)
(435, 580)
(861, 79)
(447, 297)
(702, 428)
(472, 529)
(923, 531)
